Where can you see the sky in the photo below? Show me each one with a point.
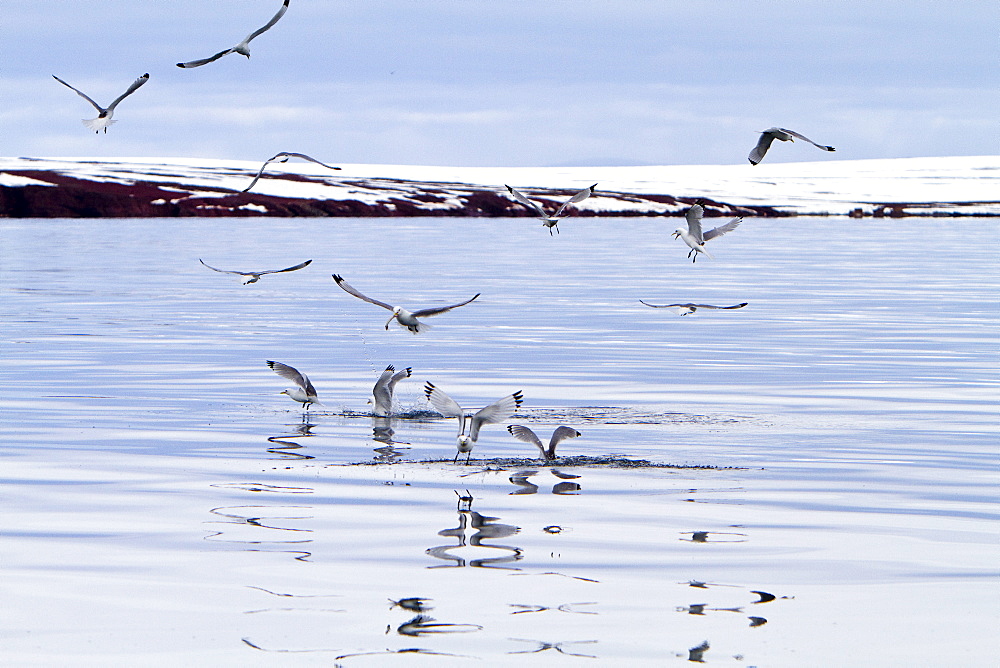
(512, 83)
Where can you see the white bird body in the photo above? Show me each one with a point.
(104, 115)
(693, 235)
(243, 48)
(553, 220)
(304, 392)
(688, 309)
(384, 388)
(781, 134)
(283, 157)
(403, 317)
(560, 434)
(496, 412)
(254, 276)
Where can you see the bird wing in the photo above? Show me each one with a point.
(694, 306)
(405, 373)
(423, 313)
(764, 143)
(441, 402)
(539, 211)
(225, 271)
(349, 289)
(274, 19)
(722, 229)
(693, 217)
(131, 89)
(79, 92)
(497, 411)
(382, 390)
(522, 433)
(293, 374)
(205, 61)
(278, 271)
(561, 434)
(304, 157)
(804, 138)
(260, 172)
(579, 197)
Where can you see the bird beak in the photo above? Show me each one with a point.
(676, 235)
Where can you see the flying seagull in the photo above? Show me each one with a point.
(553, 220)
(403, 317)
(693, 236)
(243, 47)
(781, 134)
(283, 157)
(688, 309)
(305, 393)
(384, 386)
(255, 275)
(496, 412)
(104, 119)
(522, 433)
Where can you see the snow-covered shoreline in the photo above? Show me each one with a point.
(944, 186)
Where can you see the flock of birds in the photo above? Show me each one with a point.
(501, 410)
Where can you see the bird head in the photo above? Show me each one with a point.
(677, 234)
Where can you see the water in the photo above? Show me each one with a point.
(164, 504)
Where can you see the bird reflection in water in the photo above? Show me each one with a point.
(422, 625)
(697, 654)
(525, 486)
(283, 447)
(557, 646)
(414, 603)
(473, 530)
(702, 608)
(383, 432)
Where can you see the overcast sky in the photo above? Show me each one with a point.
(505, 82)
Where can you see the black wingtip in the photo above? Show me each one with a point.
(271, 363)
(338, 278)
(180, 65)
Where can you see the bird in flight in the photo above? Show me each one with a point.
(781, 134)
(496, 412)
(693, 235)
(283, 157)
(553, 220)
(688, 309)
(522, 433)
(255, 275)
(104, 119)
(384, 387)
(405, 318)
(243, 48)
(305, 393)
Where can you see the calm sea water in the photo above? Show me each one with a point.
(163, 503)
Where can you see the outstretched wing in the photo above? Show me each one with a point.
(383, 391)
(349, 289)
(292, 374)
(278, 271)
(441, 402)
(693, 217)
(539, 211)
(692, 306)
(81, 94)
(423, 313)
(205, 61)
(131, 89)
(804, 138)
(225, 271)
(561, 434)
(722, 229)
(764, 143)
(496, 412)
(405, 373)
(282, 157)
(522, 433)
(274, 19)
(575, 199)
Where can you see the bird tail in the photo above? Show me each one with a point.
(99, 123)
(422, 327)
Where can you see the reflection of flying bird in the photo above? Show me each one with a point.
(694, 237)
(255, 275)
(687, 309)
(522, 433)
(283, 157)
(553, 220)
(305, 393)
(496, 412)
(403, 317)
(781, 134)
(104, 115)
(243, 48)
(384, 387)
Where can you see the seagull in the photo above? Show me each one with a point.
(384, 387)
(547, 220)
(522, 433)
(104, 119)
(243, 48)
(305, 393)
(496, 412)
(403, 317)
(255, 275)
(693, 236)
(283, 157)
(688, 309)
(781, 134)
